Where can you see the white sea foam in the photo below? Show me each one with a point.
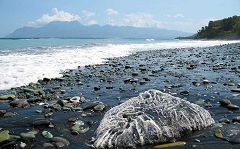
(21, 68)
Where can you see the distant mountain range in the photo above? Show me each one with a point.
(75, 29)
(228, 28)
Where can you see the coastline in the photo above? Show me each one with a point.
(180, 72)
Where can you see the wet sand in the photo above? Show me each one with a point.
(200, 75)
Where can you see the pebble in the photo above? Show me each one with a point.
(224, 120)
(224, 102)
(235, 140)
(142, 82)
(59, 144)
(197, 140)
(7, 97)
(9, 114)
(109, 87)
(46, 145)
(236, 119)
(60, 141)
(28, 135)
(200, 102)
(236, 90)
(4, 135)
(41, 123)
(96, 88)
(232, 107)
(168, 145)
(22, 145)
(2, 112)
(77, 126)
(47, 134)
(72, 119)
(19, 103)
(206, 81)
(218, 133)
(134, 74)
(76, 100)
(99, 107)
(185, 93)
(61, 102)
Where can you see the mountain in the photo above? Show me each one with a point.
(228, 28)
(75, 29)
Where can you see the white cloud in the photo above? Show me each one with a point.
(87, 18)
(57, 15)
(111, 12)
(91, 22)
(88, 13)
(142, 20)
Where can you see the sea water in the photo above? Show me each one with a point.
(23, 61)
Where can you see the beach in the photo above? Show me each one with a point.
(204, 76)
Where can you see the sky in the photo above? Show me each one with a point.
(183, 15)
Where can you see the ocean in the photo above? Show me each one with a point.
(24, 61)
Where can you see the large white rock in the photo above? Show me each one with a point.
(152, 117)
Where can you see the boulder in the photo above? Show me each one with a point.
(152, 117)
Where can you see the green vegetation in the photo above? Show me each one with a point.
(228, 28)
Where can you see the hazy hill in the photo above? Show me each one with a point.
(77, 30)
(228, 28)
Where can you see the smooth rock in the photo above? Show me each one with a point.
(28, 135)
(236, 90)
(19, 103)
(152, 117)
(61, 102)
(76, 100)
(4, 135)
(41, 123)
(9, 114)
(61, 139)
(59, 144)
(168, 145)
(99, 107)
(218, 133)
(7, 97)
(72, 119)
(79, 127)
(185, 93)
(206, 81)
(224, 102)
(47, 145)
(96, 88)
(236, 119)
(224, 120)
(2, 112)
(232, 107)
(235, 139)
(47, 134)
(22, 145)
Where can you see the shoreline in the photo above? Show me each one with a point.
(200, 75)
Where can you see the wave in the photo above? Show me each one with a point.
(22, 68)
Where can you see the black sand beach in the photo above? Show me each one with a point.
(203, 76)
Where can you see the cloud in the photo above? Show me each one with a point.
(87, 18)
(142, 20)
(91, 22)
(88, 13)
(111, 12)
(57, 15)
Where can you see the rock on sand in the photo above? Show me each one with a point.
(152, 117)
